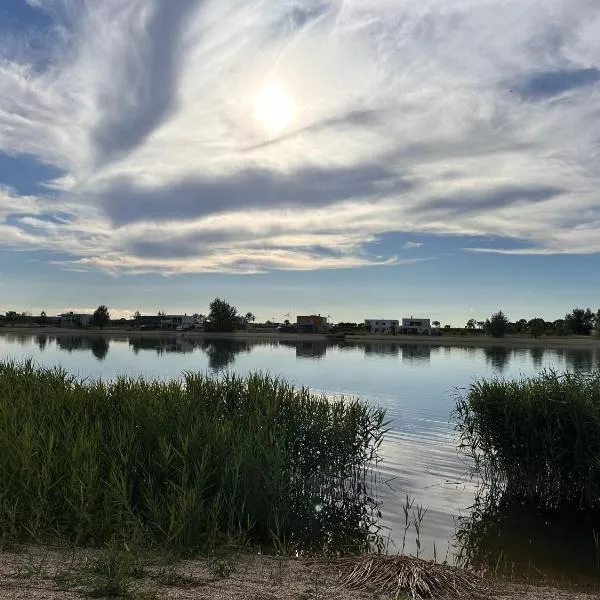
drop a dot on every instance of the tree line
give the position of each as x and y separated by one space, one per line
580 321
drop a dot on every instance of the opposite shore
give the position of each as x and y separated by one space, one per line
591 342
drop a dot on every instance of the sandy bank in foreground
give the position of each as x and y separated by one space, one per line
590 342
50 574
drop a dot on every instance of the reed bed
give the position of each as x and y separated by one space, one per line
536 440
190 463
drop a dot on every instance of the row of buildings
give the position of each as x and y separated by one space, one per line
304 323
409 326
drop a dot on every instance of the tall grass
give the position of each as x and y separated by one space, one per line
536 439
188 463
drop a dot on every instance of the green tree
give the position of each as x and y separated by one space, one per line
43 319
536 327
101 316
436 323
521 325
580 321
222 316
471 323
447 327
497 325
559 327
250 318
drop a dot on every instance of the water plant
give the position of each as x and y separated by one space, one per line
191 463
536 439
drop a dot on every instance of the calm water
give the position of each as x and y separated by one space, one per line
415 383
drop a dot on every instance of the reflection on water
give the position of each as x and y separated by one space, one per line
222 352
514 539
415 382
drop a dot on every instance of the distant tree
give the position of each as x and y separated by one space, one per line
222 316
580 321
598 323
520 326
249 317
436 323
43 318
137 316
101 316
536 327
481 324
559 327
447 327
161 313
497 325
471 324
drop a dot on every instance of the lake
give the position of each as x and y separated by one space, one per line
415 383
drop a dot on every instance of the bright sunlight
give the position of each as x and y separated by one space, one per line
274 108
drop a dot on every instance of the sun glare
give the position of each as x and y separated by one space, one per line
274 108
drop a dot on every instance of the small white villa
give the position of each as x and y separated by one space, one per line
389 326
418 327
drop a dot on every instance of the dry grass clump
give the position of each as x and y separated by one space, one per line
419 578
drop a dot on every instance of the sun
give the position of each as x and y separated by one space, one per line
274 108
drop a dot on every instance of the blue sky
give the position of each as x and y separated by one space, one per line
354 158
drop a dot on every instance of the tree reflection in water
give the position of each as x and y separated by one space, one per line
99 347
513 539
221 353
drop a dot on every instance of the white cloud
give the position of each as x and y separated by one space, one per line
438 117
411 245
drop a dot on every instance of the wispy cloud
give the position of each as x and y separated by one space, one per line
411 245
438 117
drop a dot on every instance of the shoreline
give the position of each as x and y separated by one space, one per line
59 573
591 342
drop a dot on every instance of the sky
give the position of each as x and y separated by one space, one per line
351 158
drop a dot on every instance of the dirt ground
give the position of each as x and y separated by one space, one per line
54 574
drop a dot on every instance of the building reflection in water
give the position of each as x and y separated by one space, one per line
315 350
381 349
417 352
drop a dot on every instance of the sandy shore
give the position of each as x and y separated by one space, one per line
591 342
52 574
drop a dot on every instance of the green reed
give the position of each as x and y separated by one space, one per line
536 440
190 463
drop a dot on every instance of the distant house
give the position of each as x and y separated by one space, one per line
311 324
174 322
75 320
382 325
418 327
177 322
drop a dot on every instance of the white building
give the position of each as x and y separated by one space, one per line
418 327
382 325
177 322
75 320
